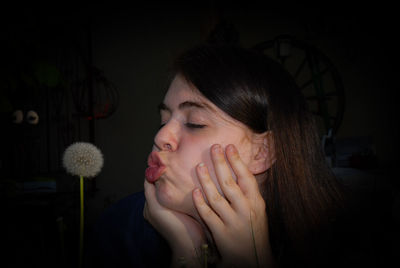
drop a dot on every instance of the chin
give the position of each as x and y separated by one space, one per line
174 199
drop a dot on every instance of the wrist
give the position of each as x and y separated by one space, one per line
266 258
191 256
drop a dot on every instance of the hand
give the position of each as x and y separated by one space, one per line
238 222
183 234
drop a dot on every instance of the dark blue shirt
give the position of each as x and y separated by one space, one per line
123 238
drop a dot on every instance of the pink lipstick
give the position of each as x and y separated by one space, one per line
155 167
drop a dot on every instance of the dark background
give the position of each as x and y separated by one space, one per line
46 55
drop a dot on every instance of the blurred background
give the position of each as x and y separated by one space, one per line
96 73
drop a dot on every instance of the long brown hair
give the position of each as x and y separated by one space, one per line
300 191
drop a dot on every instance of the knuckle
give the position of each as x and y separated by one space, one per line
219 159
209 212
229 183
216 198
206 211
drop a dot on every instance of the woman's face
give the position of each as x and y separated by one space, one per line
190 125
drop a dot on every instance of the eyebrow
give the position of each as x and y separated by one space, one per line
186 105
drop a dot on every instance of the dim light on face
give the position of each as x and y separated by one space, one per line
190 125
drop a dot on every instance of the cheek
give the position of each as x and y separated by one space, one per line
190 155
193 152
201 153
197 150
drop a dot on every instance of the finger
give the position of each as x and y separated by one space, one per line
224 175
150 194
217 202
208 215
246 180
146 211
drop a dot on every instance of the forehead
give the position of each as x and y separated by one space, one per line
180 91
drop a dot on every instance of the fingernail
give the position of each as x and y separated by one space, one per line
202 167
217 148
231 148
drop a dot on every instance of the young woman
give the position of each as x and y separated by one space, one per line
236 165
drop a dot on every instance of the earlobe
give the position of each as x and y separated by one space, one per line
264 153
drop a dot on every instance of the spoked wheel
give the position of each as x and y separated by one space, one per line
315 75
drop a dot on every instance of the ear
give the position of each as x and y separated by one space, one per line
263 153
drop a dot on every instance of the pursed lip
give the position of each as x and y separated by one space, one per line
155 168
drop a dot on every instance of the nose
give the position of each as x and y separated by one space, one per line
166 138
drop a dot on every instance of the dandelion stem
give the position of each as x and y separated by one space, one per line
205 253
81 223
254 240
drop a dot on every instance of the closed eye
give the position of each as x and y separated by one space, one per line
194 126
188 125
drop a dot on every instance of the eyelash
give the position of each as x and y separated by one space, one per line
188 125
194 126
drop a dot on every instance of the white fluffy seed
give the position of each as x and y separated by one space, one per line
83 159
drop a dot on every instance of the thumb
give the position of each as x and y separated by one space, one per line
150 193
151 201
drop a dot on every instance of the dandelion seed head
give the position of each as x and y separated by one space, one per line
83 159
